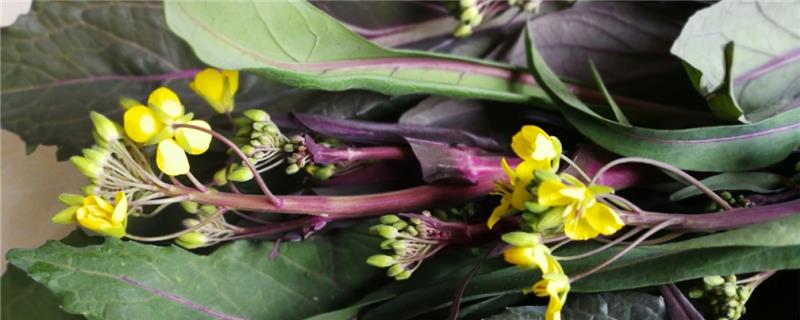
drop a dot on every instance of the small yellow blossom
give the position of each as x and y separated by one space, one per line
532 257
171 159
217 88
536 147
585 218
154 125
96 214
141 124
556 286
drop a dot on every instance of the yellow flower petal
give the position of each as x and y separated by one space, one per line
578 228
507 169
501 211
93 200
210 84
165 104
603 219
141 124
171 159
120 209
520 256
191 140
545 151
520 195
233 80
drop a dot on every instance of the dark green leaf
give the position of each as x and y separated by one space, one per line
722 148
602 306
66 58
767 61
610 100
760 182
127 280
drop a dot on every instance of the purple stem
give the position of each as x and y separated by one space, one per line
180 74
679 307
765 199
731 219
260 181
324 155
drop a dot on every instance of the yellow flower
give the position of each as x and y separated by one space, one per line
141 124
536 147
532 257
585 218
556 286
154 125
96 214
515 193
217 88
171 159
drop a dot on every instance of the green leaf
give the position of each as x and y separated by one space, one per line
610 100
721 148
298 44
767 62
65 58
128 280
760 182
602 306
769 246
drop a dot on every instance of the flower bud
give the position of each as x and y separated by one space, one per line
188 223
521 239
413 230
403 275
399 246
71 199
292 169
467 3
98 155
220 177
191 240
256 115
463 31
325 172
240 174
400 225
208 209
66 216
469 14
89 189
380 261
535 207
394 270
87 167
389 219
104 127
387 244
387 231
551 219
190 206
543 175
713 281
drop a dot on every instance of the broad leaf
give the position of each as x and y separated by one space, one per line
722 148
760 182
766 62
64 59
766 246
601 306
135 281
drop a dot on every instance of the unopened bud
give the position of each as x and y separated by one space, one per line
553 218
535 207
190 206
387 244
87 167
292 169
240 174
192 240
713 281
380 261
521 239
97 154
71 199
104 127
389 219
463 31
256 115
400 225
696 294
403 275
325 172
188 223
394 270
221 177
543 175
399 246
90 189
208 208
387 232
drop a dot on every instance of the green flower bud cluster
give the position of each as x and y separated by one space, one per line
726 298
261 141
736 201
205 236
406 241
469 16
323 172
456 214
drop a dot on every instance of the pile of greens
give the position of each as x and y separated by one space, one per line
409 159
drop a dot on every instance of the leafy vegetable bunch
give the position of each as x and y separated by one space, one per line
425 139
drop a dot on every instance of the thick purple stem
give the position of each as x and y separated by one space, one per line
324 155
731 219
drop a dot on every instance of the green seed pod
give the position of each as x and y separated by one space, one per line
389 219
380 261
